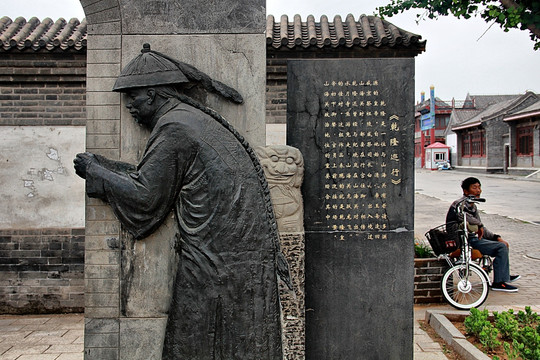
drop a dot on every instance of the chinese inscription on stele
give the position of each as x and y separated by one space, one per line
359 133
362 158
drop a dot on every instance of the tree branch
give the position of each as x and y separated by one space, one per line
511 4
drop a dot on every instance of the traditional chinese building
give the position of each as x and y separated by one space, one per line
498 134
434 131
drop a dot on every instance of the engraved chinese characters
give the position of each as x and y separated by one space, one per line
361 142
353 121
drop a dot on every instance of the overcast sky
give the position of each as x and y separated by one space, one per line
458 59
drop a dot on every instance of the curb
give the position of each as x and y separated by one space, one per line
438 320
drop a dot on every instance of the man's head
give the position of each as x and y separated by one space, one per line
471 186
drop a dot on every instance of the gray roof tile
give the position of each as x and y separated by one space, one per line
364 32
47 34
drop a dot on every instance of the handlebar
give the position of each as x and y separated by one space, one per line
471 199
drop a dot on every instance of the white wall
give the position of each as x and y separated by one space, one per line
39 187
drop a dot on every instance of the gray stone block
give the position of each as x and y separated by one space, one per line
101 326
96 111
103 42
108 340
103 56
102 257
103 70
468 351
102 285
102 312
103 141
106 126
107 28
142 338
101 353
192 16
102 227
445 329
101 271
103 98
104 16
102 299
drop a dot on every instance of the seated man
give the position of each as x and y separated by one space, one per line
484 240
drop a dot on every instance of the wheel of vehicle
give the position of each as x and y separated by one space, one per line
465 293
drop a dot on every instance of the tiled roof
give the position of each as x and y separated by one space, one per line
488 113
47 34
364 32
483 101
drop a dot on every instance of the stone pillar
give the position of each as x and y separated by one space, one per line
353 121
225 40
284 169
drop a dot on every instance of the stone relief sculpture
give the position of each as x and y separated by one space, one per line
225 301
284 169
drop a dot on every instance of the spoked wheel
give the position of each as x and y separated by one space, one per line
463 293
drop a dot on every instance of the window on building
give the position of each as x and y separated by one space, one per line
466 145
441 122
477 144
525 140
440 156
473 143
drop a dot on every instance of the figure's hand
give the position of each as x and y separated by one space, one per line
480 232
500 239
81 163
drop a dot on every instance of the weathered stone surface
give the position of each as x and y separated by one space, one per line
39 189
148 272
293 302
142 338
353 122
235 59
192 16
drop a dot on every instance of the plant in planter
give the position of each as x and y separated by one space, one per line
422 250
519 333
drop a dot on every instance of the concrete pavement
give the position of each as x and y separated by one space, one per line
60 337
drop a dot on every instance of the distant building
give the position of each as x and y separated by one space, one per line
424 138
498 134
487 133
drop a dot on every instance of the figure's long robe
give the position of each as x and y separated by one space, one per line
225 303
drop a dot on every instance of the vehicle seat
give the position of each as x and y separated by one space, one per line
476 254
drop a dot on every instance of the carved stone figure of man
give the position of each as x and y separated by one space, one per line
225 301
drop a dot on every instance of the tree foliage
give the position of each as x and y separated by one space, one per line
509 14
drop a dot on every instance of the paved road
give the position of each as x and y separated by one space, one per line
513 197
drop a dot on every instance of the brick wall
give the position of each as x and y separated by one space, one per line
427 280
42 89
276 91
41 271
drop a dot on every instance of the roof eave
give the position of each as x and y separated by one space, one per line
522 116
466 126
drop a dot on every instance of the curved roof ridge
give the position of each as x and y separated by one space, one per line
367 30
282 32
46 34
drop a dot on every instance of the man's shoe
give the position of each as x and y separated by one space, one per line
502 286
514 278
